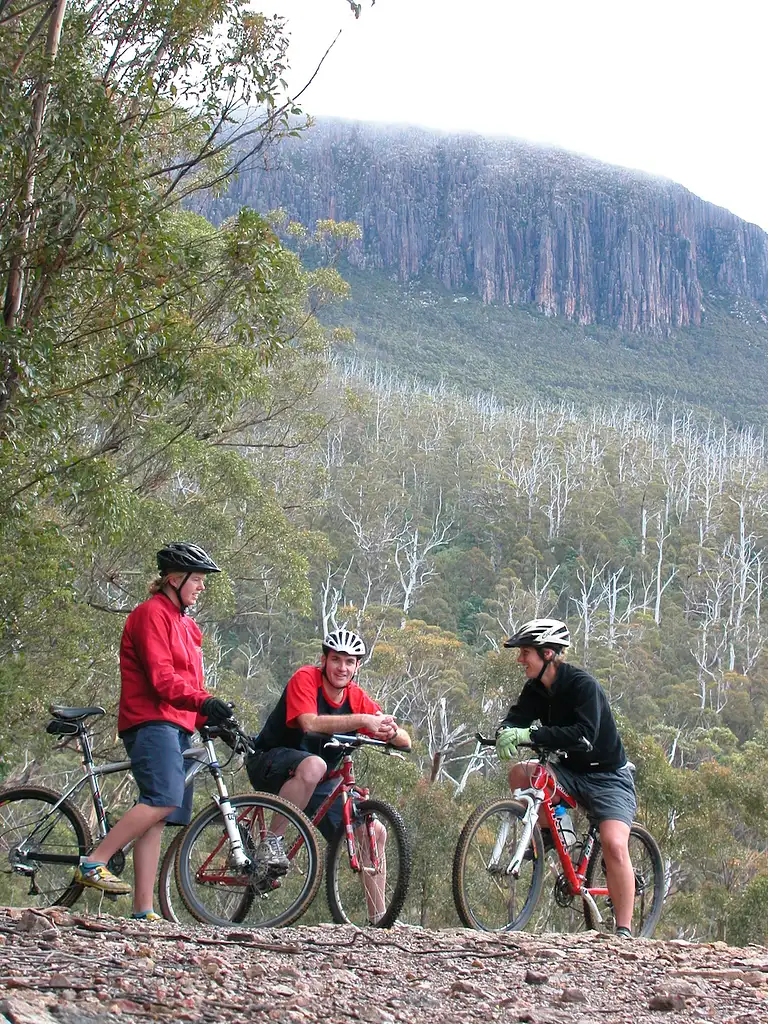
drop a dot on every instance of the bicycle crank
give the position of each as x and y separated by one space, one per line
563 895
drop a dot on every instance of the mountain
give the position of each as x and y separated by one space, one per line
519 225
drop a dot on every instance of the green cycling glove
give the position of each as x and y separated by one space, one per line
508 739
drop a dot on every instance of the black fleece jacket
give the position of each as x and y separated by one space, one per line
573 710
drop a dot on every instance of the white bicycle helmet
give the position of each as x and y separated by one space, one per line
344 641
541 633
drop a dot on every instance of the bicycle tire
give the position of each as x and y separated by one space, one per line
487 898
215 892
166 881
648 866
25 816
348 899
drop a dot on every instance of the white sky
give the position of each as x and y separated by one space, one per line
673 87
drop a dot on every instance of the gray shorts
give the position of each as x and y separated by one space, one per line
606 796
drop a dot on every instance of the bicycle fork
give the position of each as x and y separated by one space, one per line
533 800
238 857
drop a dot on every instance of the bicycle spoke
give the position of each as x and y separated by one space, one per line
373 891
487 895
217 891
647 865
39 848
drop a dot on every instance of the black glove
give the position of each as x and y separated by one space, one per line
216 711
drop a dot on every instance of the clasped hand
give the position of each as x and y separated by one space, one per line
508 739
383 727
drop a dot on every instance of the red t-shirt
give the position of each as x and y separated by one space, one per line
161 667
304 695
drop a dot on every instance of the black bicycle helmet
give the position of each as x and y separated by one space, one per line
184 558
344 641
541 633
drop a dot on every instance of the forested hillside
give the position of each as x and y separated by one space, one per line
162 378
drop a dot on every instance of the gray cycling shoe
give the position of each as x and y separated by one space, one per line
270 855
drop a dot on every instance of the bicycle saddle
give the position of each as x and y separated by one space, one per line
74 714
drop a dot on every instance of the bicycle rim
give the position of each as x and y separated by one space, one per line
487 897
167 893
373 896
30 832
645 855
216 892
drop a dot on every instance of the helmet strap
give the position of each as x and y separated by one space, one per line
546 662
177 591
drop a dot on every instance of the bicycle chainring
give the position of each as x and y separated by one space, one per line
563 895
117 863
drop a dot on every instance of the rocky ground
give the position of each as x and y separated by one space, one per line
64 968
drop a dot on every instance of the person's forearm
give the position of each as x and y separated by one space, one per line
330 724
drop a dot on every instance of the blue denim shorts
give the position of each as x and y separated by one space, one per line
156 752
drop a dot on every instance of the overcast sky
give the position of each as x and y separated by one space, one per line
673 87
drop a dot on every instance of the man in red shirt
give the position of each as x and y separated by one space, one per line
290 760
162 702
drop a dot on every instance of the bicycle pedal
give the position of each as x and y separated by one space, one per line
112 896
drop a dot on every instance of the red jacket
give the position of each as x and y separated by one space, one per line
161 667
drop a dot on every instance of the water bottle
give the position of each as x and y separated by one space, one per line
564 824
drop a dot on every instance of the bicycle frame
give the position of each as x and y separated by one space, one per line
348 788
93 772
346 785
539 797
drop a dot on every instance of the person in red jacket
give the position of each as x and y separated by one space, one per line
162 702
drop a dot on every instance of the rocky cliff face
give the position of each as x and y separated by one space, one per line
518 224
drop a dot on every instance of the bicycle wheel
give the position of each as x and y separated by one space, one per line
167 894
487 897
646 860
216 892
39 848
375 895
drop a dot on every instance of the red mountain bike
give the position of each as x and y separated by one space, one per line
368 862
501 866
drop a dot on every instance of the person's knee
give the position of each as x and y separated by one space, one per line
615 846
518 776
311 770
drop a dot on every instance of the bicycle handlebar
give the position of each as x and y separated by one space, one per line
341 739
228 730
539 748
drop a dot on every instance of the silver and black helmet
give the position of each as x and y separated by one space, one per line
344 641
184 557
541 633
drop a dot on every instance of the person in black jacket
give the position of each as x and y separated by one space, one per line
565 708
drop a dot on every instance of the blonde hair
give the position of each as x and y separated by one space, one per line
157 584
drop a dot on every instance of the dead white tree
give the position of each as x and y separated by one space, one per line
412 555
